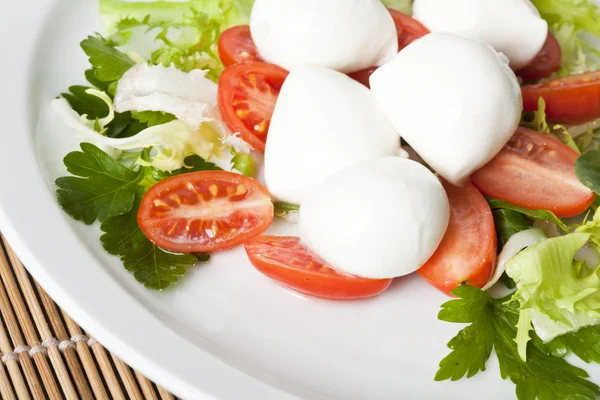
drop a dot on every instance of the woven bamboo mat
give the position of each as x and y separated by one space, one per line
46 355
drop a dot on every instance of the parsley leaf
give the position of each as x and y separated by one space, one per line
584 343
105 190
84 103
473 345
123 125
153 118
492 326
150 265
194 163
101 188
496 204
109 64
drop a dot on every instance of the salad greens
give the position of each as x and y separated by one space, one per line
131 151
537 121
545 375
574 23
534 214
587 169
105 190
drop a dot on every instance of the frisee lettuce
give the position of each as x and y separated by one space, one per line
575 23
557 294
537 121
186 33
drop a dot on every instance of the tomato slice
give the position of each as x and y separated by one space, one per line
467 253
571 100
545 63
286 260
535 171
247 95
409 30
236 46
363 76
205 211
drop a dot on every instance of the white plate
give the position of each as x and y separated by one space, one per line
226 332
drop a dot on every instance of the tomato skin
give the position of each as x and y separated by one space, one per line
236 46
545 63
571 100
409 30
205 211
468 251
363 76
535 171
247 95
286 260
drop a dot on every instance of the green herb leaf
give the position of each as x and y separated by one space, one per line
84 103
492 326
152 118
194 164
282 209
473 345
151 266
585 344
509 222
109 63
101 188
544 215
587 169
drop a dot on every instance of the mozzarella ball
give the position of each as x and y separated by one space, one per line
381 218
512 27
323 121
345 35
454 99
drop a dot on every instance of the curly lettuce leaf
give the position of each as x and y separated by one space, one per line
557 294
576 25
185 33
537 122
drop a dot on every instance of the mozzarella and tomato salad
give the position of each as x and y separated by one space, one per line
397 143
369 121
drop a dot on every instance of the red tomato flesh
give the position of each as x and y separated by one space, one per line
409 30
545 63
205 211
236 46
286 260
571 100
467 253
247 96
535 171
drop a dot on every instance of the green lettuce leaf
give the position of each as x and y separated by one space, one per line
401 5
572 22
557 294
537 122
186 32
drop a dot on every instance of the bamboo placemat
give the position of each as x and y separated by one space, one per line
46 355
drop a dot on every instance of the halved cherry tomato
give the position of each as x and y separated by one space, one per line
363 76
205 211
467 253
545 63
286 260
236 46
571 100
247 95
409 30
535 171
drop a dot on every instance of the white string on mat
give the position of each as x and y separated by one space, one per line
45 345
